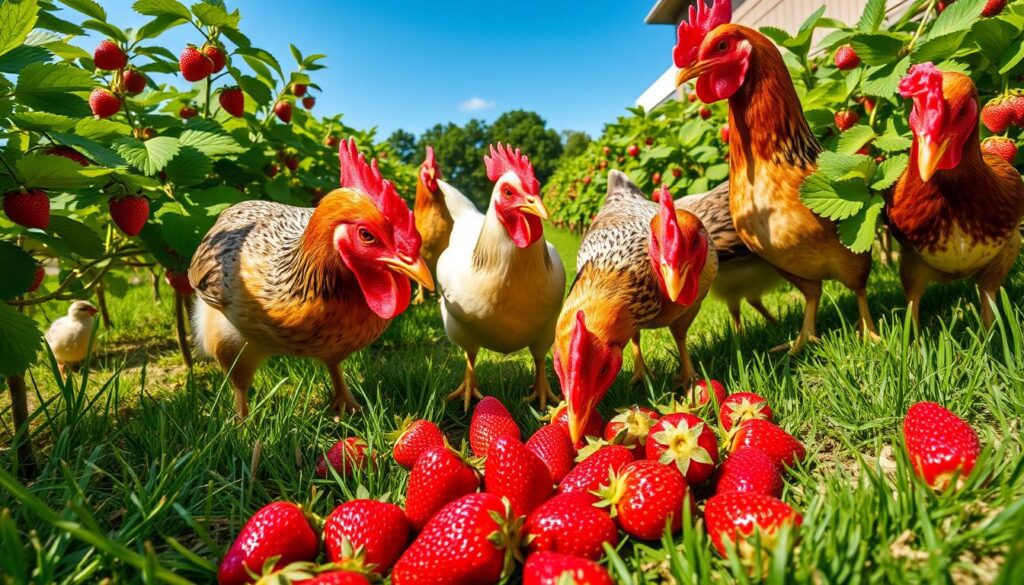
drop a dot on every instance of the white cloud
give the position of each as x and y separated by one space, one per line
475 104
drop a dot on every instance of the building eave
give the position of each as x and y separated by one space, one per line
665 11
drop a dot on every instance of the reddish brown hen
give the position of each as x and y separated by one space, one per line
433 221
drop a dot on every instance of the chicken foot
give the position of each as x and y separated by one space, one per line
342 401
867 324
811 290
421 295
542 391
640 370
469 387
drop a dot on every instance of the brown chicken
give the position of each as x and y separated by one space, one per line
641 265
433 221
771 151
955 210
321 283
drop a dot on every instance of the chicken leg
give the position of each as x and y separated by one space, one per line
469 386
679 330
342 400
421 296
542 391
811 290
640 370
758 305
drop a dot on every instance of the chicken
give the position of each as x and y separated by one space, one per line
955 210
641 265
68 336
501 283
771 151
322 283
433 221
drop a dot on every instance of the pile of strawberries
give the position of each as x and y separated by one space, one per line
998 115
556 507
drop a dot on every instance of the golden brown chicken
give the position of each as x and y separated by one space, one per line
433 221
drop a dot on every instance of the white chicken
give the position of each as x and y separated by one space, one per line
69 335
501 283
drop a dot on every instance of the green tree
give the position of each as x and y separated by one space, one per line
575 143
529 132
404 145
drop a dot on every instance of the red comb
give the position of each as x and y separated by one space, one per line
579 334
703 19
671 234
923 84
429 161
503 160
356 174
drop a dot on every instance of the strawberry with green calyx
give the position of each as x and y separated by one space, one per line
780 446
280 530
644 497
846 58
344 457
702 390
685 442
216 56
551 443
129 213
998 114
570 524
941 445
593 470
194 65
551 568
473 540
749 470
490 420
732 519
28 208
307 573
631 427
742 406
439 477
514 472
366 533
412 438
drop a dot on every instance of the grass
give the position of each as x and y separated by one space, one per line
145 477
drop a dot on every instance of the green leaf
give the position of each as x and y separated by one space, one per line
213 15
833 200
718 172
171 8
106 28
48 21
837 166
19 270
872 17
80 238
42 121
189 167
255 89
657 153
87 7
958 16
877 48
210 143
858 231
157 26
889 172
149 156
296 54
19 343
21 57
184 233
43 79
892 143
1011 60
92 149
261 55
854 139
883 81
938 47
101 130
213 201
56 172
16 21
278 189
995 36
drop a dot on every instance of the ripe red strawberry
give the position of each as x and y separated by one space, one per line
272 170
743 406
469 541
776 443
551 568
559 414
439 476
631 427
412 438
283 111
279 529
299 89
292 163
514 472
845 119
733 515
37 279
686 442
194 65
104 103
678 172
216 56
30 208
108 56
308 102
940 444
656 178
336 578
233 101
1004 148
705 112
699 394
490 420
187 112
1015 102
134 81
846 58
749 470
179 282
588 179
644 497
997 115
725 133
344 456
993 7
570 524
331 141
552 445
692 97
68 152
593 471
633 150
129 213
372 533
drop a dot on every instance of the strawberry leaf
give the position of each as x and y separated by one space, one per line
171 8
833 200
57 172
16 20
19 343
889 172
19 269
854 139
149 156
858 231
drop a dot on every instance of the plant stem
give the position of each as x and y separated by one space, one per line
920 27
179 329
22 437
10 171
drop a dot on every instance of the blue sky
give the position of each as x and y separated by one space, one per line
411 64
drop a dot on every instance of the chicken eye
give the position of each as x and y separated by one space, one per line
603 372
723 45
366 237
507 193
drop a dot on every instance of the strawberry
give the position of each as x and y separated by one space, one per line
743 406
272 170
692 97
179 282
372 533
412 438
552 445
68 152
570 524
299 89
846 58
129 213
1015 102
678 172
292 163
331 141
283 111
216 56
749 470
134 81
633 150
336 578
644 497
439 476
593 471
194 65
279 529
732 516
29 208
779 445
1004 148
187 112
551 568
997 115
344 456
515 472
705 112
233 101
940 444
656 179
470 541
490 420
37 279
686 442
631 427
993 7
725 133
308 102
699 394
108 56
559 415
104 103
845 119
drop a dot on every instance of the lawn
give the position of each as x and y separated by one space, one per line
146 477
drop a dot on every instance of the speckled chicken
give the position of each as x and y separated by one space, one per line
433 221
641 265
68 336
321 283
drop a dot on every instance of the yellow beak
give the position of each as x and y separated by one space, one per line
687 73
929 153
414 269
534 206
673 280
